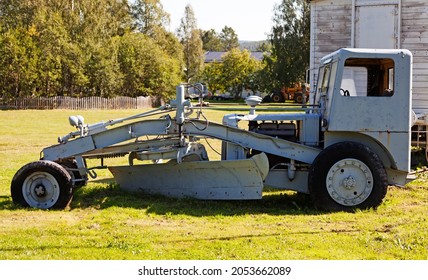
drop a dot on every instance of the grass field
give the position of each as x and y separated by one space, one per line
104 222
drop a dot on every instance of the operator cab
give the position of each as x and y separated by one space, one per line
365 90
365 95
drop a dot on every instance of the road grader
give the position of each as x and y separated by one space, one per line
298 93
343 148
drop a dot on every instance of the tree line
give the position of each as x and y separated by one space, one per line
286 56
115 47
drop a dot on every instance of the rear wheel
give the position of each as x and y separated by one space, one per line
298 98
347 176
277 98
42 184
267 99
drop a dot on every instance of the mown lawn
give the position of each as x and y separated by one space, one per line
104 222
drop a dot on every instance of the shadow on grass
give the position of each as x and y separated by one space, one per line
106 194
273 203
6 203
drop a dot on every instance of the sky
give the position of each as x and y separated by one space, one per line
251 19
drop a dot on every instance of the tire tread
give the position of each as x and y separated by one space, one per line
334 153
56 170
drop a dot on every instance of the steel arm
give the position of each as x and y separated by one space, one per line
246 139
113 136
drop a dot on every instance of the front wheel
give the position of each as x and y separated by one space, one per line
42 184
347 176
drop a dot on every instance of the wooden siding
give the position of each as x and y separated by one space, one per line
331 29
414 36
331 24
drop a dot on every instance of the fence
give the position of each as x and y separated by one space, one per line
71 103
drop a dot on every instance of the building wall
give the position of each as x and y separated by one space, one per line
414 36
333 27
331 23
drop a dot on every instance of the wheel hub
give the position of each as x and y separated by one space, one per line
349 182
40 191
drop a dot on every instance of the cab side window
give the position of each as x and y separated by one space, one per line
368 77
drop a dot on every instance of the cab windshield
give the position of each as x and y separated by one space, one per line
323 84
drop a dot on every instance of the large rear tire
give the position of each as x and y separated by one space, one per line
42 184
347 176
277 97
298 98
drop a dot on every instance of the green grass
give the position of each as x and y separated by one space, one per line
104 222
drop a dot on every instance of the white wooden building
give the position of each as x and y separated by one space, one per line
373 24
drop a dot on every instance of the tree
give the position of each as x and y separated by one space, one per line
19 57
229 38
86 48
237 71
19 54
265 46
17 13
149 16
74 39
151 20
103 69
170 44
212 75
290 40
190 38
211 41
62 62
147 69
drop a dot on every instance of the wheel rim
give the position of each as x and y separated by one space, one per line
349 182
41 190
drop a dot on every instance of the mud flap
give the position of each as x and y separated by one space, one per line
210 180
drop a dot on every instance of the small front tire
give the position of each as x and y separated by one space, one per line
42 184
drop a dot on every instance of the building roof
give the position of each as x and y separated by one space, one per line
218 56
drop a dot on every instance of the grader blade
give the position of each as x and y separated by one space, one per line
210 180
